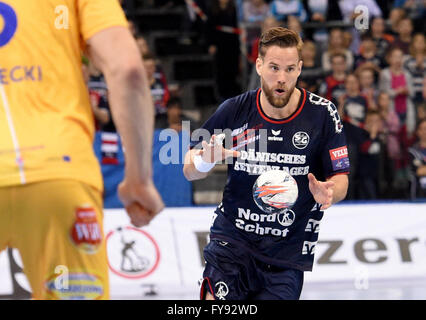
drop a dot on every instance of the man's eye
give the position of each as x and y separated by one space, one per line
290 69
275 68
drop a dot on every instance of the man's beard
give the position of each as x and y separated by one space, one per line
277 102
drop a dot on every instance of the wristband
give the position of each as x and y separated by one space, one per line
201 165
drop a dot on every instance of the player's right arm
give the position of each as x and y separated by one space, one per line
115 53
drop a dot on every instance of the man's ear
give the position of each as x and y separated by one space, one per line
300 65
259 64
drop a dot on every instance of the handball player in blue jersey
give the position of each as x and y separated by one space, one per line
253 254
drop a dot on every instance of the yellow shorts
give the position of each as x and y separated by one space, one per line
57 228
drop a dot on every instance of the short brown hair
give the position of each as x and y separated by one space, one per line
281 37
338 54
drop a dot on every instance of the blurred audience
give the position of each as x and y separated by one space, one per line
255 11
353 106
159 88
336 45
281 9
367 85
395 16
403 40
381 39
312 72
224 46
415 64
372 145
368 56
418 162
334 85
397 82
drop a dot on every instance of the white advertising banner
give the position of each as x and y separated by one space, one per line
374 241
365 241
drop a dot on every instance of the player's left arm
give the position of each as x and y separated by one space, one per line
328 192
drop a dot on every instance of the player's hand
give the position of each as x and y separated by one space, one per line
141 200
214 150
322 191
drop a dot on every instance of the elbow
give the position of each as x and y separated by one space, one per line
134 75
131 73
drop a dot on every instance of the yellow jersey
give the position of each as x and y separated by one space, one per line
46 122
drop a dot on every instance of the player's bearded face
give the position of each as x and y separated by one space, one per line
278 71
278 95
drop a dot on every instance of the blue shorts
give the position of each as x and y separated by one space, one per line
232 273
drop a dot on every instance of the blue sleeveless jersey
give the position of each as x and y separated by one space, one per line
310 140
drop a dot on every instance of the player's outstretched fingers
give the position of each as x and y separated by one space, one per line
312 179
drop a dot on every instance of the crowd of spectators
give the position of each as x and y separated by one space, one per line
375 75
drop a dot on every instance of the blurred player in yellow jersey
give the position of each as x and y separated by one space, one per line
50 181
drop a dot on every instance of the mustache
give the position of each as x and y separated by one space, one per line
279 87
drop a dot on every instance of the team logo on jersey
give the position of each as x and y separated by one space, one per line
300 140
222 290
275 136
86 232
286 218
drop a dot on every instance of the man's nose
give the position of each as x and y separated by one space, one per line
282 77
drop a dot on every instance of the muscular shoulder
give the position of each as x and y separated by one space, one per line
238 104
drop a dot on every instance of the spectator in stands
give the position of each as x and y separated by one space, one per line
391 126
334 85
395 16
353 106
415 64
175 115
281 9
350 14
293 23
421 111
101 115
368 87
397 82
312 73
368 55
403 40
255 11
224 45
269 22
254 81
382 40
159 88
347 39
336 45
317 12
347 8
369 156
145 50
415 11
418 162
